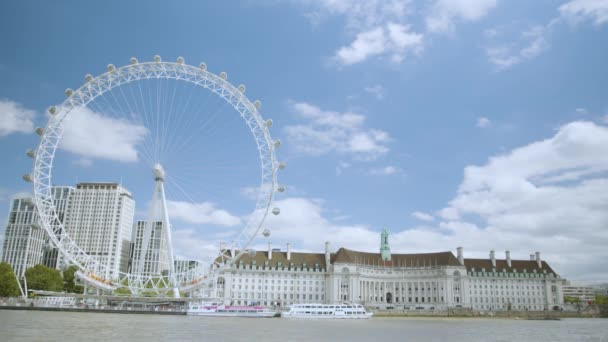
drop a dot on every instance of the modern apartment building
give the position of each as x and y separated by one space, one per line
99 218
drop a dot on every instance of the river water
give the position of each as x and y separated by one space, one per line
89 327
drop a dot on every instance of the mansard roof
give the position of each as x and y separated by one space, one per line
347 256
477 265
297 258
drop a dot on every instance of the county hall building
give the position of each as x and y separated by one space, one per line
383 280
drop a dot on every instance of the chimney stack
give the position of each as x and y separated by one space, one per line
269 250
538 261
493 258
460 255
327 255
508 257
288 251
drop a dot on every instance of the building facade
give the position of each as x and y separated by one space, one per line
384 280
23 238
99 218
585 294
61 197
157 254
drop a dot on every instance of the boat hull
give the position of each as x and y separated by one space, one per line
232 314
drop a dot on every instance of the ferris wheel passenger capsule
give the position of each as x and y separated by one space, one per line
257 104
266 232
69 92
111 67
157 58
203 66
268 123
251 252
30 153
88 77
223 75
281 165
281 188
242 88
27 177
276 211
39 131
52 110
35 225
180 60
133 60
277 143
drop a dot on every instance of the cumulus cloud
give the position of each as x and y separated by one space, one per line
189 244
423 216
94 135
580 10
483 122
534 41
14 118
201 213
445 12
394 40
531 44
547 196
330 131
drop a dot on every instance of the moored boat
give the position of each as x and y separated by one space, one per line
220 310
327 311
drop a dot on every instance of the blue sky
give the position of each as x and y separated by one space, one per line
474 123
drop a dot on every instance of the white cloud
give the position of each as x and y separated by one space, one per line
83 162
329 131
14 118
376 90
385 171
531 44
580 10
548 196
551 193
365 45
395 40
189 245
535 41
483 122
445 12
201 213
359 14
423 216
93 135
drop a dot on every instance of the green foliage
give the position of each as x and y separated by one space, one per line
69 284
571 300
43 278
8 283
122 291
601 300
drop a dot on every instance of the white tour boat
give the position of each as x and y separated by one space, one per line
220 310
329 311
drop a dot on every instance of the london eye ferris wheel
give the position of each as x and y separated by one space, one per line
181 132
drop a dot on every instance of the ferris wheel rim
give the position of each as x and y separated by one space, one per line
135 72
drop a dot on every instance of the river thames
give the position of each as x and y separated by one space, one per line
68 326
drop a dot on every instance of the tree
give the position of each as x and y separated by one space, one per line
571 300
8 282
43 278
69 284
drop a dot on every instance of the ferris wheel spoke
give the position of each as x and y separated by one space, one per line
181 127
